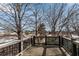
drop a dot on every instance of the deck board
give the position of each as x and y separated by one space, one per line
43 51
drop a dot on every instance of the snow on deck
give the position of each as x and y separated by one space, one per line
75 37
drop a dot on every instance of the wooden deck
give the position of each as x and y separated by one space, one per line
43 51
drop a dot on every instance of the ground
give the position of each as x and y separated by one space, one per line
43 51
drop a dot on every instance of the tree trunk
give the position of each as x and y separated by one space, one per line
19 38
21 43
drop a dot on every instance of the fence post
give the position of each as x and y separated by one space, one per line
74 50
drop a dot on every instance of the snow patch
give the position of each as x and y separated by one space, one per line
75 36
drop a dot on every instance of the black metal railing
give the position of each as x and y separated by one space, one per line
67 45
45 40
52 40
10 50
70 45
26 43
76 48
14 49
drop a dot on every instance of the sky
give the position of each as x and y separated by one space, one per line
45 6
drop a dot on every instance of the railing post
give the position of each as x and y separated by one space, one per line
62 42
74 50
33 41
59 42
77 50
20 47
45 40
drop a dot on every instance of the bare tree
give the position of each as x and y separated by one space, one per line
74 23
54 15
14 15
36 15
59 15
71 20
